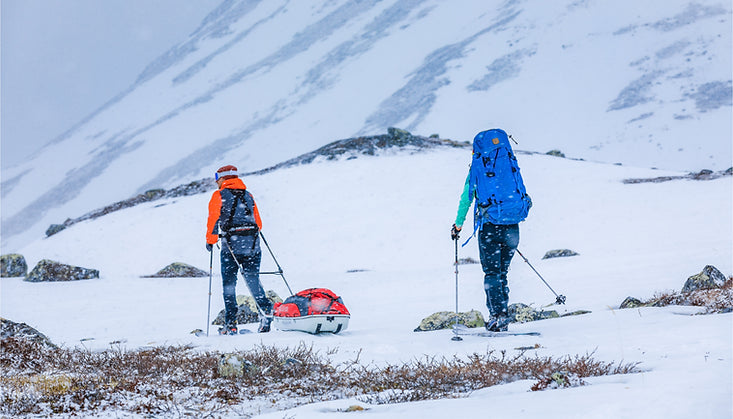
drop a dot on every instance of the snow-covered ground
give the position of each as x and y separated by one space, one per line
646 84
389 218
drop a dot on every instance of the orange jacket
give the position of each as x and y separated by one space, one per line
215 208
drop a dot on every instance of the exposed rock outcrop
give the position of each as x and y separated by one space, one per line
709 278
51 271
522 313
11 329
178 270
631 302
234 365
247 309
559 253
446 320
348 148
704 174
556 153
13 265
709 289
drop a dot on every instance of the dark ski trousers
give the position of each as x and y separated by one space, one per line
497 244
250 265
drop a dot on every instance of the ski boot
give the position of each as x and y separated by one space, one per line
228 330
498 324
265 321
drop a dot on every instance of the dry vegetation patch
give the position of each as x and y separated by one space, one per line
179 380
715 300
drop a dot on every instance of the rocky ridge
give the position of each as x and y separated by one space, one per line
395 140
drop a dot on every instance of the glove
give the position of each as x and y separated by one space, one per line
454 232
209 247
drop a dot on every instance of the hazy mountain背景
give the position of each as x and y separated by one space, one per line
261 82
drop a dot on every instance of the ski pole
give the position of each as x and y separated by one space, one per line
279 269
456 276
456 338
211 269
559 299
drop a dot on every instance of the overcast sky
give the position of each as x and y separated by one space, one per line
62 59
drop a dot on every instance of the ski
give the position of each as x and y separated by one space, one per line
462 330
200 333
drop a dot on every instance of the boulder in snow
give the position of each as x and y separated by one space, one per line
249 301
247 309
11 329
51 271
631 302
244 315
559 253
12 265
709 278
234 365
54 228
522 313
556 153
178 270
446 320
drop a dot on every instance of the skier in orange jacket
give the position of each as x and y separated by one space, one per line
234 217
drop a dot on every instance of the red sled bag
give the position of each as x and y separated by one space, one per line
314 310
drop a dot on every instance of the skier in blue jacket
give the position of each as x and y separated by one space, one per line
494 174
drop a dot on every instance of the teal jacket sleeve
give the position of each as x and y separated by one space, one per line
465 204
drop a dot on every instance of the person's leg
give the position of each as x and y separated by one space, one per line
251 270
508 242
229 284
490 253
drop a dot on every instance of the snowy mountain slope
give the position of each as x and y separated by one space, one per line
260 82
388 217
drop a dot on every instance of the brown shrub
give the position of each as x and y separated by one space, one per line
170 380
715 300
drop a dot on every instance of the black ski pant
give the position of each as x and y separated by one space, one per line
250 265
497 244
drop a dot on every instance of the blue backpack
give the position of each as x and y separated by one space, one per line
495 181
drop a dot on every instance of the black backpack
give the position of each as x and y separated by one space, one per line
238 217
